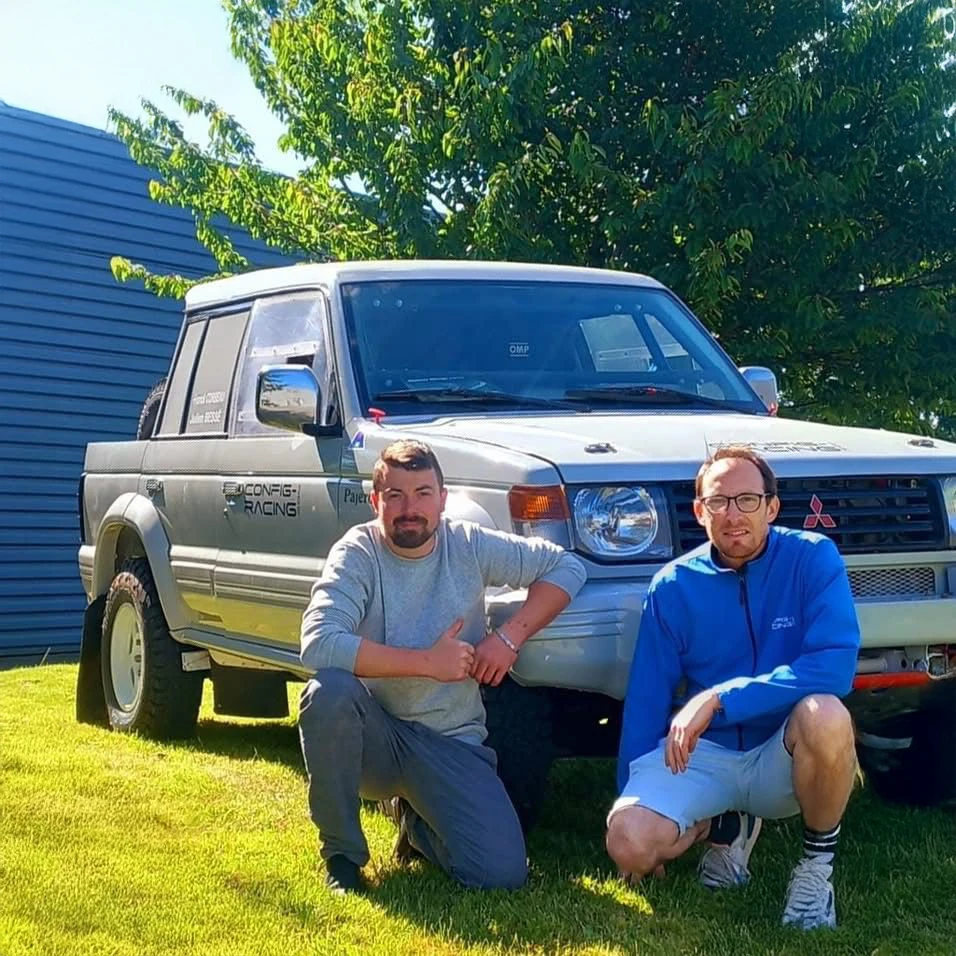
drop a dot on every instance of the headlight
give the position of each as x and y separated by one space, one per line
949 499
622 522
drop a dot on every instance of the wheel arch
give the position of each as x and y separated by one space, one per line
132 527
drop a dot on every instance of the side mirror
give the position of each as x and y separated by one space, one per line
288 396
764 383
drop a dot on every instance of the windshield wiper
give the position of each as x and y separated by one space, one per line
460 393
652 393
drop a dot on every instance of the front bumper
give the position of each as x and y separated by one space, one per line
589 646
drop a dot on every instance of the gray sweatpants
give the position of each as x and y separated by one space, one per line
461 817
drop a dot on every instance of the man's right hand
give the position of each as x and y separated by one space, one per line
449 659
687 726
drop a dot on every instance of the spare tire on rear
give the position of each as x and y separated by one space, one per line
147 417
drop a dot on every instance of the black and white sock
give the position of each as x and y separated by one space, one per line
820 844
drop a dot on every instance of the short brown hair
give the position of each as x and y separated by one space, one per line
409 455
747 454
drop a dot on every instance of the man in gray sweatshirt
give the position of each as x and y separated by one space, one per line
397 637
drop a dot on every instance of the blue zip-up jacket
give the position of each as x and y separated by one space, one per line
764 637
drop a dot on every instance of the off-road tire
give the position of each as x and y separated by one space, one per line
520 732
147 417
167 705
923 774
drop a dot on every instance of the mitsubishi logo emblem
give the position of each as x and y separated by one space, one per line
817 516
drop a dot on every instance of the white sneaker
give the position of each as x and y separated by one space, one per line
722 867
811 902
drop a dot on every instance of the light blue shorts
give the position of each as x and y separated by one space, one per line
717 779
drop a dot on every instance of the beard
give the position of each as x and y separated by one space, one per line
412 534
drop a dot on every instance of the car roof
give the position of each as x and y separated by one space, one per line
250 285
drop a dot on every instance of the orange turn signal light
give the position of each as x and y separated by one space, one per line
538 503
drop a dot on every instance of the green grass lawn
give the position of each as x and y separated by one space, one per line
111 845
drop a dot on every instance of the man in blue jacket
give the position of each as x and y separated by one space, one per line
759 630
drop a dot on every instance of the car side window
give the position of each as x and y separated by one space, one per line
284 330
212 383
178 386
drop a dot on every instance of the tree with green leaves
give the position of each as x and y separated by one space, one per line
788 168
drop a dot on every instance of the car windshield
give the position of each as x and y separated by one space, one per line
424 345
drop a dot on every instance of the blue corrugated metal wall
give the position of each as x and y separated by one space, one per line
78 351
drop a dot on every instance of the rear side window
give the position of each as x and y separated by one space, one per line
212 384
178 386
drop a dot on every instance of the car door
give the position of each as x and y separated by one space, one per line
280 489
181 471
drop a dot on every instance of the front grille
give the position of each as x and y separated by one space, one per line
868 515
900 584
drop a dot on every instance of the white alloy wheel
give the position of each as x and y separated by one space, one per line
126 658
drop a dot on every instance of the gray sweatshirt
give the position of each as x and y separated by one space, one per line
367 591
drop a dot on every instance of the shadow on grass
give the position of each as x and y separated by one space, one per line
895 879
259 740
573 898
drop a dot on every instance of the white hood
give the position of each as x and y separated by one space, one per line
670 445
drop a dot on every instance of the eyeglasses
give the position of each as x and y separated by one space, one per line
747 503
